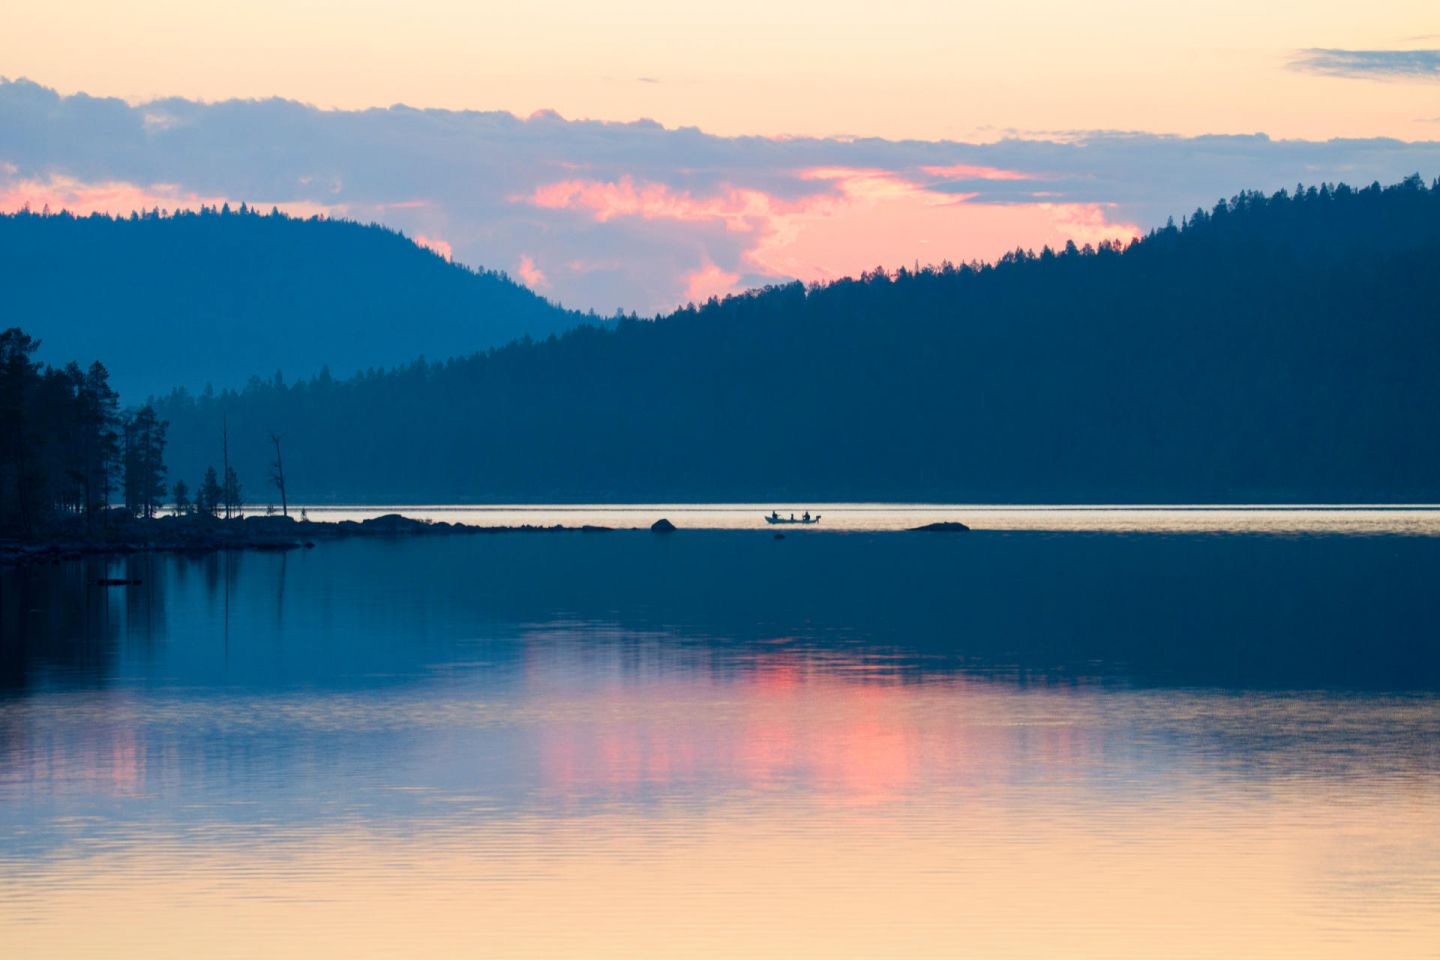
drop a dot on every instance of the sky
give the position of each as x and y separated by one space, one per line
639 154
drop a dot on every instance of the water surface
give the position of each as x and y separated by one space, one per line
719 744
1410 519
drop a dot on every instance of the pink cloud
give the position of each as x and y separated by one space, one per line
965 171
882 218
533 276
441 247
1085 223
900 226
111 196
709 281
864 184
860 218
737 208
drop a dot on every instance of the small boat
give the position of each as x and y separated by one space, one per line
774 517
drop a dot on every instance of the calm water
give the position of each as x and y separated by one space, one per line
720 744
1410 519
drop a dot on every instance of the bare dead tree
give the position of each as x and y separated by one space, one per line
277 475
225 455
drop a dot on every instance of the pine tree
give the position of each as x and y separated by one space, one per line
207 498
143 461
100 443
151 436
18 374
233 503
130 465
181 494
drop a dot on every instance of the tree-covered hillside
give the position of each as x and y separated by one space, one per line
1281 348
217 297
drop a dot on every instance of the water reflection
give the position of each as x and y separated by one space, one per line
1233 611
719 745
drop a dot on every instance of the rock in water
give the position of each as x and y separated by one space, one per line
946 526
391 523
663 526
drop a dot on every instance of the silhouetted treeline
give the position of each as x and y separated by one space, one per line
218 296
65 445
1280 348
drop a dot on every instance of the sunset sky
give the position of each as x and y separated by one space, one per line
639 154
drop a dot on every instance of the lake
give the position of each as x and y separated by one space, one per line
1036 742
1421 519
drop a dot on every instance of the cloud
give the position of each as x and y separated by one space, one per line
709 281
58 192
886 220
635 215
439 246
969 171
737 208
1370 64
533 276
854 219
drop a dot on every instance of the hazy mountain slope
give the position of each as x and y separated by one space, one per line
1275 349
220 297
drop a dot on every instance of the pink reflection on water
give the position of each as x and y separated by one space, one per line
94 754
853 730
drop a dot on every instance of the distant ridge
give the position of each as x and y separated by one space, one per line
218 296
1273 349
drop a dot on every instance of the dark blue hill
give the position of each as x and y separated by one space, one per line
1282 348
217 297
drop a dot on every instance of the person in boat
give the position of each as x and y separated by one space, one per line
792 518
774 515
806 518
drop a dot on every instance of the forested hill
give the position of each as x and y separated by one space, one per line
220 296
1281 348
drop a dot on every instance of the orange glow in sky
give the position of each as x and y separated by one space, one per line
928 69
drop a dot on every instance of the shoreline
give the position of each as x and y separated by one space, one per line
266 533
120 534
197 535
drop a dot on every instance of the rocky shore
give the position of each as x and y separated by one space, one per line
120 533
125 535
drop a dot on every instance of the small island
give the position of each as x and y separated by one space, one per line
943 526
